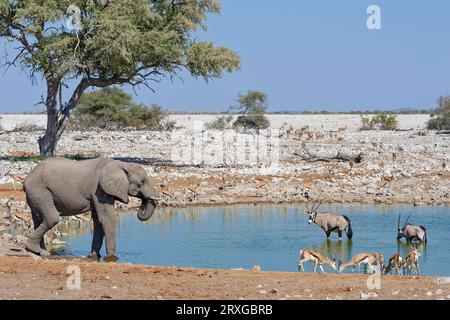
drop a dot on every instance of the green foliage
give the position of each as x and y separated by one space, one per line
366 123
220 123
93 43
114 108
382 121
253 121
252 102
441 118
253 105
119 40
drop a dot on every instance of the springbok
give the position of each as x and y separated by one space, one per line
412 261
395 263
330 222
368 259
411 232
308 255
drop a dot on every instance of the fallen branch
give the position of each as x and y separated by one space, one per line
310 157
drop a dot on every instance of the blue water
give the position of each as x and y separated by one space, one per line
270 236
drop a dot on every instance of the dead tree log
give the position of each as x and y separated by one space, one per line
310 157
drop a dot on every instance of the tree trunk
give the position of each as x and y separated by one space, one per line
57 120
47 143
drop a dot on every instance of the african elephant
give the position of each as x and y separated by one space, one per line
61 187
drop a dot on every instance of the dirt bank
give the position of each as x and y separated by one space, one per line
26 278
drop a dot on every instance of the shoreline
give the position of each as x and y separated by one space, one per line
47 279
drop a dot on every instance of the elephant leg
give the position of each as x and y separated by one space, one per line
109 227
97 240
109 221
37 221
104 207
46 211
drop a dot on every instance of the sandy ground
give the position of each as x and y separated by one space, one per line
26 278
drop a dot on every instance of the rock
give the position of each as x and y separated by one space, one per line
256 268
274 291
19 239
368 296
429 294
439 292
262 292
442 280
57 242
396 292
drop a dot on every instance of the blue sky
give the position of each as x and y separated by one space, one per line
307 55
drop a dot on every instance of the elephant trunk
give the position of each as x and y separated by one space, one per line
146 209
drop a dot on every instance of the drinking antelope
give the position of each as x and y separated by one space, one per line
308 255
368 259
412 261
395 263
330 222
411 232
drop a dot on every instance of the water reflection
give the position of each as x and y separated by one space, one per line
270 236
340 249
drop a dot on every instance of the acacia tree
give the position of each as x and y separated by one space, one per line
252 105
76 44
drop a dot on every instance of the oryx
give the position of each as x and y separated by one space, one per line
330 222
411 232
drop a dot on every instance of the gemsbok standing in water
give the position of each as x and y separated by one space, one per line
330 222
308 255
411 232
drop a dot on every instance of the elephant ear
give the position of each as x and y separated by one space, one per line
114 182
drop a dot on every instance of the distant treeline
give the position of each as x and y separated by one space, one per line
305 112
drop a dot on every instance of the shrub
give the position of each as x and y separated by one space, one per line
366 123
114 108
385 121
253 121
220 123
441 119
382 121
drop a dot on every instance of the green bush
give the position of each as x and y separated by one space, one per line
220 123
366 123
385 121
440 120
382 121
114 109
252 121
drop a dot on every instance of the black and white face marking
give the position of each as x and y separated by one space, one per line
311 217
